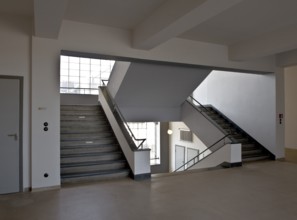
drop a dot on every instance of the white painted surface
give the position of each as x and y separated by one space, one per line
290 114
45 95
174 140
207 132
15 61
230 153
248 100
117 76
139 161
10 141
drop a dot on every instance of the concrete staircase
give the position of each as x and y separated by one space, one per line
89 149
251 149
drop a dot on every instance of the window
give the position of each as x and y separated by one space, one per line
151 132
81 75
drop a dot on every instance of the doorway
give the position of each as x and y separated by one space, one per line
11 134
179 157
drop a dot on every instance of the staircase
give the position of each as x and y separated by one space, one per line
89 149
251 149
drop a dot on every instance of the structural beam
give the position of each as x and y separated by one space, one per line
175 17
272 43
48 17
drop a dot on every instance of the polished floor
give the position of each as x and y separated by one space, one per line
266 190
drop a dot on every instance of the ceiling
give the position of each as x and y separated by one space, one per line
238 24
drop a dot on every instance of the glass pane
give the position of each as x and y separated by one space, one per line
85 61
95 61
85 74
85 67
64 72
64 59
74 73
64 65
63 81
95 68
74 66
85 80
74 60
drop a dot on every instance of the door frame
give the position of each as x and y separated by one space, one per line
175 154
21 86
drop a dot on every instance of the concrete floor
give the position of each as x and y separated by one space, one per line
266 190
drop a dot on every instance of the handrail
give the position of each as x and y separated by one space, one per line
116 108
103 82
205 116
122 118
199 103
197 157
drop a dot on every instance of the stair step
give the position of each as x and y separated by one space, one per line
94 176
255 158
80 107
90 157
88 142
252 152
83 118
83 123
81 113
88 136
85 130
89 149
93 167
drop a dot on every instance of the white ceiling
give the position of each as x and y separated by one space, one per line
267 27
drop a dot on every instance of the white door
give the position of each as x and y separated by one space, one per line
191 153
179 157
9 135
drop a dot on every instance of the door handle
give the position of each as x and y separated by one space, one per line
13 135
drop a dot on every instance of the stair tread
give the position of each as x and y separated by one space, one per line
92 163
92 154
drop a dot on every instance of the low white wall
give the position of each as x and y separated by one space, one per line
230 153
139 160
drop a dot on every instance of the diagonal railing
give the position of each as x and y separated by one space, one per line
208 151
116 109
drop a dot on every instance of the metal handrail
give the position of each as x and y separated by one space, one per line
197 157
205 116
116 108
103 82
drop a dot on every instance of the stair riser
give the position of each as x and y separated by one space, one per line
94 178
82 150
94 168
80 108
83 118
88 142
86 137
81 113
90 158
84 130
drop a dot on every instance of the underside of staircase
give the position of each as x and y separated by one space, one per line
251 149
89 148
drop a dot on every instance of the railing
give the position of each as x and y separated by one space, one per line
213 148
116 109
191 100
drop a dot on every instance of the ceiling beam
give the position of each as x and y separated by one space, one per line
272 43
175 17
48 17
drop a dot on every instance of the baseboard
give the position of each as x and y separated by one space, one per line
143 176
45 188
291 155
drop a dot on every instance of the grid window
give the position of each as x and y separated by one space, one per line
83 75
151 132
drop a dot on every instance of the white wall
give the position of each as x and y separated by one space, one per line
15 61
290 116
16 53
174 140
45 108
249 100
